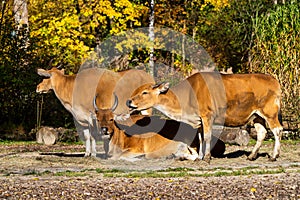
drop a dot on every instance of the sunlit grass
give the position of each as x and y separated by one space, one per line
187 172
167 173
12 142
69 173
271 141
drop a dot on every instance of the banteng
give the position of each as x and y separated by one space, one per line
208 98
76 93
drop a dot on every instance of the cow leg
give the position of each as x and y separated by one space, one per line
94 151
200 136
94 133
277 135
276 129
106 147
207 140
261 134
207 124
87 137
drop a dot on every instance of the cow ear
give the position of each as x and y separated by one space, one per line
43 72
164 87
121 117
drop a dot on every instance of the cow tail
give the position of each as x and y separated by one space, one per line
280 117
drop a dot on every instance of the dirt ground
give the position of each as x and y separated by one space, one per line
31 171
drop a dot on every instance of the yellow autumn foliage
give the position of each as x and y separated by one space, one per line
68 31
218 4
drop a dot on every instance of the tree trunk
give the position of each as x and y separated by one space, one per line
151 37
21 17
21 12
183 49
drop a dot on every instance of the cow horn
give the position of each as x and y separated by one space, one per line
50 63
59 66
156 85
95 105
113 108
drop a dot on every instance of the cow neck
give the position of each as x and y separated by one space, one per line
119 138
63 88
169 105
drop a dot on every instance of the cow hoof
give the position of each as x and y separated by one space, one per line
250 158
272 159
198 159
207 159
86 155
182 158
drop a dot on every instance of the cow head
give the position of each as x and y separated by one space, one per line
46 85
146 96
105 117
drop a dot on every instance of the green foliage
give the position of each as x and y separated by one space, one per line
250 36
17 74
61 32
18 99
227 33
276 51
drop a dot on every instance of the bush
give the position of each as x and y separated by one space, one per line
276 51
18 99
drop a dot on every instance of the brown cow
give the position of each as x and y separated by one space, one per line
227 99
139 143
76 93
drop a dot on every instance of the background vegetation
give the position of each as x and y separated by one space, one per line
249 36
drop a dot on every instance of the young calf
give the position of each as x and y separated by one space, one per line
142 143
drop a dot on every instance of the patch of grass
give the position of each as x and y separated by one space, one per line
221 168
291 142
66 143
170 172
177 169
167 173
31 172
250 167
149 174
252 141
187 172
99 170
295 165
12 142
71 173
241 173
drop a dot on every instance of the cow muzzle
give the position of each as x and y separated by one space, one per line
105 133
104 130
39 91
130 105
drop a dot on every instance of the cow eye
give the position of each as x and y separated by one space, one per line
145 92
111 120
